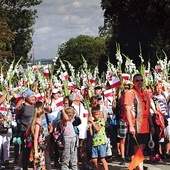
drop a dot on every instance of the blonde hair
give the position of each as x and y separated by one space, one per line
38 111
70 111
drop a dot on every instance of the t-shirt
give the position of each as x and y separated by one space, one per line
99 138
68 129
140 109
83 114
162 104
54 113
26 116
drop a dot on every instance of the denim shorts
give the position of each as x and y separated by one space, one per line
99 151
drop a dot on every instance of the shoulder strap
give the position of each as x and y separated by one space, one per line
37 124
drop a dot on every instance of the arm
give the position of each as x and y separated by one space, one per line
96 127
152 130
36 134
65 116
18 106
90 129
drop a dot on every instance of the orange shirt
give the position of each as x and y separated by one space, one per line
140 109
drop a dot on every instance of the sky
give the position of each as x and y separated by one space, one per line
60 20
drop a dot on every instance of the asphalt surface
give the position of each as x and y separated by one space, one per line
113 163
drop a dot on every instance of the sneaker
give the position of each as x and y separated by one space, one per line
122 162
158 158
162 156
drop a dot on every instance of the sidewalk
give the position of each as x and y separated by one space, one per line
113 164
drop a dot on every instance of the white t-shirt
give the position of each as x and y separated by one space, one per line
83 114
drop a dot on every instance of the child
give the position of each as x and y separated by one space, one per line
97 130
39 143
69 155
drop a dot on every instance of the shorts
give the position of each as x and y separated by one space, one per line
141 139
122 129
99 151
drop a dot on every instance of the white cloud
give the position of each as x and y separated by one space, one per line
60 20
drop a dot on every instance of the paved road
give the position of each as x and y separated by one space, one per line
113 164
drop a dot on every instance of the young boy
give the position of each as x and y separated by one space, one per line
97 130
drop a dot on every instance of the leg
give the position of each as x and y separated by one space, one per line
25 153
66 156
96 164
104 163
73 154
122 149
47 160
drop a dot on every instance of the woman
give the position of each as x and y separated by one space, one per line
25 108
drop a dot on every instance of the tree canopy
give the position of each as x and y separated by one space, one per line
91 48
130 22
17 18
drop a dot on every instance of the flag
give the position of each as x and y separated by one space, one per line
71 85
18 97
125 76
108 93
136 160
66 75
3 109
84 87
146 72
115 82
59 103
46 72
158 68
39 97
92 80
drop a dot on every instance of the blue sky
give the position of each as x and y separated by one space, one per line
60 20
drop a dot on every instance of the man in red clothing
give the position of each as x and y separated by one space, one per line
137 108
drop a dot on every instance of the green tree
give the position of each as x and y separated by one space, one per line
91 48
129 22
20 18
6 39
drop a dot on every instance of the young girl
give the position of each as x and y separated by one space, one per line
69 155
97 130
39 137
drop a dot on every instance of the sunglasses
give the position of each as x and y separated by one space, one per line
140 80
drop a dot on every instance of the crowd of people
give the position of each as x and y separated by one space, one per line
68 131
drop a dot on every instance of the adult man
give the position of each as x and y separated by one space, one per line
26 111
137 107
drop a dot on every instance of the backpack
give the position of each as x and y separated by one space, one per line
58 135
28 140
